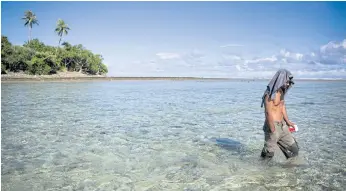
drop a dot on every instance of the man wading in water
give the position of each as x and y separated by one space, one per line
276 121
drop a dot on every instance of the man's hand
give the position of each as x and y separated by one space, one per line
290 123
272 128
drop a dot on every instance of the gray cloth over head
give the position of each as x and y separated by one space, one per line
281 77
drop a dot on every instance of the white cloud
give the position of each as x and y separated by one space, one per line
288 56
231 57
336 73
284 53
231 45
238 67
333 53
334 46
299 56
328 61
261 60
166 55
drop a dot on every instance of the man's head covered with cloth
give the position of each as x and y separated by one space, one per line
283 79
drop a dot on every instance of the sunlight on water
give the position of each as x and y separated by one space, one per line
166 135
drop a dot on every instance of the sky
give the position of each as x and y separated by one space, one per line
197 39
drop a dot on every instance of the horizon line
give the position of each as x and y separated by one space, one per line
231 78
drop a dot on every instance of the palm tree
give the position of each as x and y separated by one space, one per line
61 29
30 19
67 45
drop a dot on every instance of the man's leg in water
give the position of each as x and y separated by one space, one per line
270 142
287 143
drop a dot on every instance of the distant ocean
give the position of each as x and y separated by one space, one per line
166 135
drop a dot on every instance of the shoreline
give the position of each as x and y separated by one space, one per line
73 76
98 78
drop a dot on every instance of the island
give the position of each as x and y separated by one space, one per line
35 58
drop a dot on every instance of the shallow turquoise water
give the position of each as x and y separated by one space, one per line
166 135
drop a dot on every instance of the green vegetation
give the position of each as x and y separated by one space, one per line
61 28
30 19
36 58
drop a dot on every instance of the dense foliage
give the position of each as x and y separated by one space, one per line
37 58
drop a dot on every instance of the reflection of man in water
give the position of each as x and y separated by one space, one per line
276 121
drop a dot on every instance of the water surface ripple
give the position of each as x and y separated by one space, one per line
166 135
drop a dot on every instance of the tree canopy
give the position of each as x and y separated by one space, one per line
36 58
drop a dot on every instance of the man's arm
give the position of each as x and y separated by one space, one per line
278 98
284 112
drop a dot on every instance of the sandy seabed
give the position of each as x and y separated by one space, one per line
165 135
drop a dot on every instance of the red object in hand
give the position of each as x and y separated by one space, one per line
293 129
